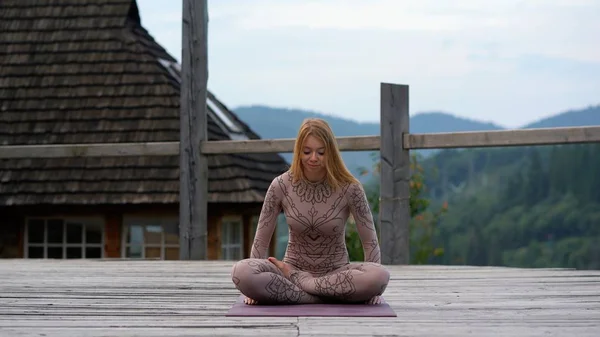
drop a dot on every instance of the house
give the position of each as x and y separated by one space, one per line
86 71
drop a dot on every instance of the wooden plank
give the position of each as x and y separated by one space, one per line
352 143
524 137
394 208
521 137
89 150
174 298
126 330
193 188
283 145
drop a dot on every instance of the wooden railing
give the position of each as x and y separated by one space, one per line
394 145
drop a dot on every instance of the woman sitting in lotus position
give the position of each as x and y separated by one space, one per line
317 195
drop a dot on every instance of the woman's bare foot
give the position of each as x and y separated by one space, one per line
375 300
284 267
250 301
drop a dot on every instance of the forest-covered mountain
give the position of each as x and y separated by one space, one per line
271 122
576 117
524 207
514 206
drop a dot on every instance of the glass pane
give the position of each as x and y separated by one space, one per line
135 235
254 225
225 233
55 252
93 233
35 252
74 253
55 231
35 231
172 233
134 252
153 252
171 253
93 252
74 233
153 235
236 253
236 236
224 255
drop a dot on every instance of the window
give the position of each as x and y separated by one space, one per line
64 238
232 233
151 238
253 227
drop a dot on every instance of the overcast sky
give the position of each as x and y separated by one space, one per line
506 61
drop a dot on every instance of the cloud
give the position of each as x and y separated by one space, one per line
559 28
507 60
358 15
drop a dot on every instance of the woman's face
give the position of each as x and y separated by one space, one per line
313 155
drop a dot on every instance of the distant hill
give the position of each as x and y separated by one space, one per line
271 122
433 122
582 117
514 206
536 206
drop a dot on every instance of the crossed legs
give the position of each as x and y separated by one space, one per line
262 281
267 283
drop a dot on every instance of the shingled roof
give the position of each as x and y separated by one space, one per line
86 71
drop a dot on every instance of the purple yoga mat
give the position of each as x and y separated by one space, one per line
239 308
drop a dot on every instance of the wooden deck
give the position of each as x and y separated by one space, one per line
182 298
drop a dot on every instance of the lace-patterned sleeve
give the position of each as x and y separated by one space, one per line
267 221
361 211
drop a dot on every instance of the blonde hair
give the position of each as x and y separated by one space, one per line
337 172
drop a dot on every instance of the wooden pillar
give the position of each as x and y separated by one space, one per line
394 207
193 191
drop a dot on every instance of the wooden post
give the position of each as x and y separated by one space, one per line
394 207
193 190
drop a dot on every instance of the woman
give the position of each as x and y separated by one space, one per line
317 195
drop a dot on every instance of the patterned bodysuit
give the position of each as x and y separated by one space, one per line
316 215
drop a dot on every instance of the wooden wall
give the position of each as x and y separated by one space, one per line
246 211
12 225
112 235
214 237
11 244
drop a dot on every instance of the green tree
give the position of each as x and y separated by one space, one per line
536 184
423 223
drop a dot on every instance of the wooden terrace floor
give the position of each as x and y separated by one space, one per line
183 298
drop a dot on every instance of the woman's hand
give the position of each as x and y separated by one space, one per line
285 268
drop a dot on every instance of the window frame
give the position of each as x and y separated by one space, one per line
226 247
148 221
84 220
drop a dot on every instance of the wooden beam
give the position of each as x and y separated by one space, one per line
89 150
520 137
394 207
353 143
193 191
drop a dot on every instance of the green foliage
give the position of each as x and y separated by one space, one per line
521 207
422 225
353 243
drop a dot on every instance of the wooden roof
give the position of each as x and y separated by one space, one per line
86 71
